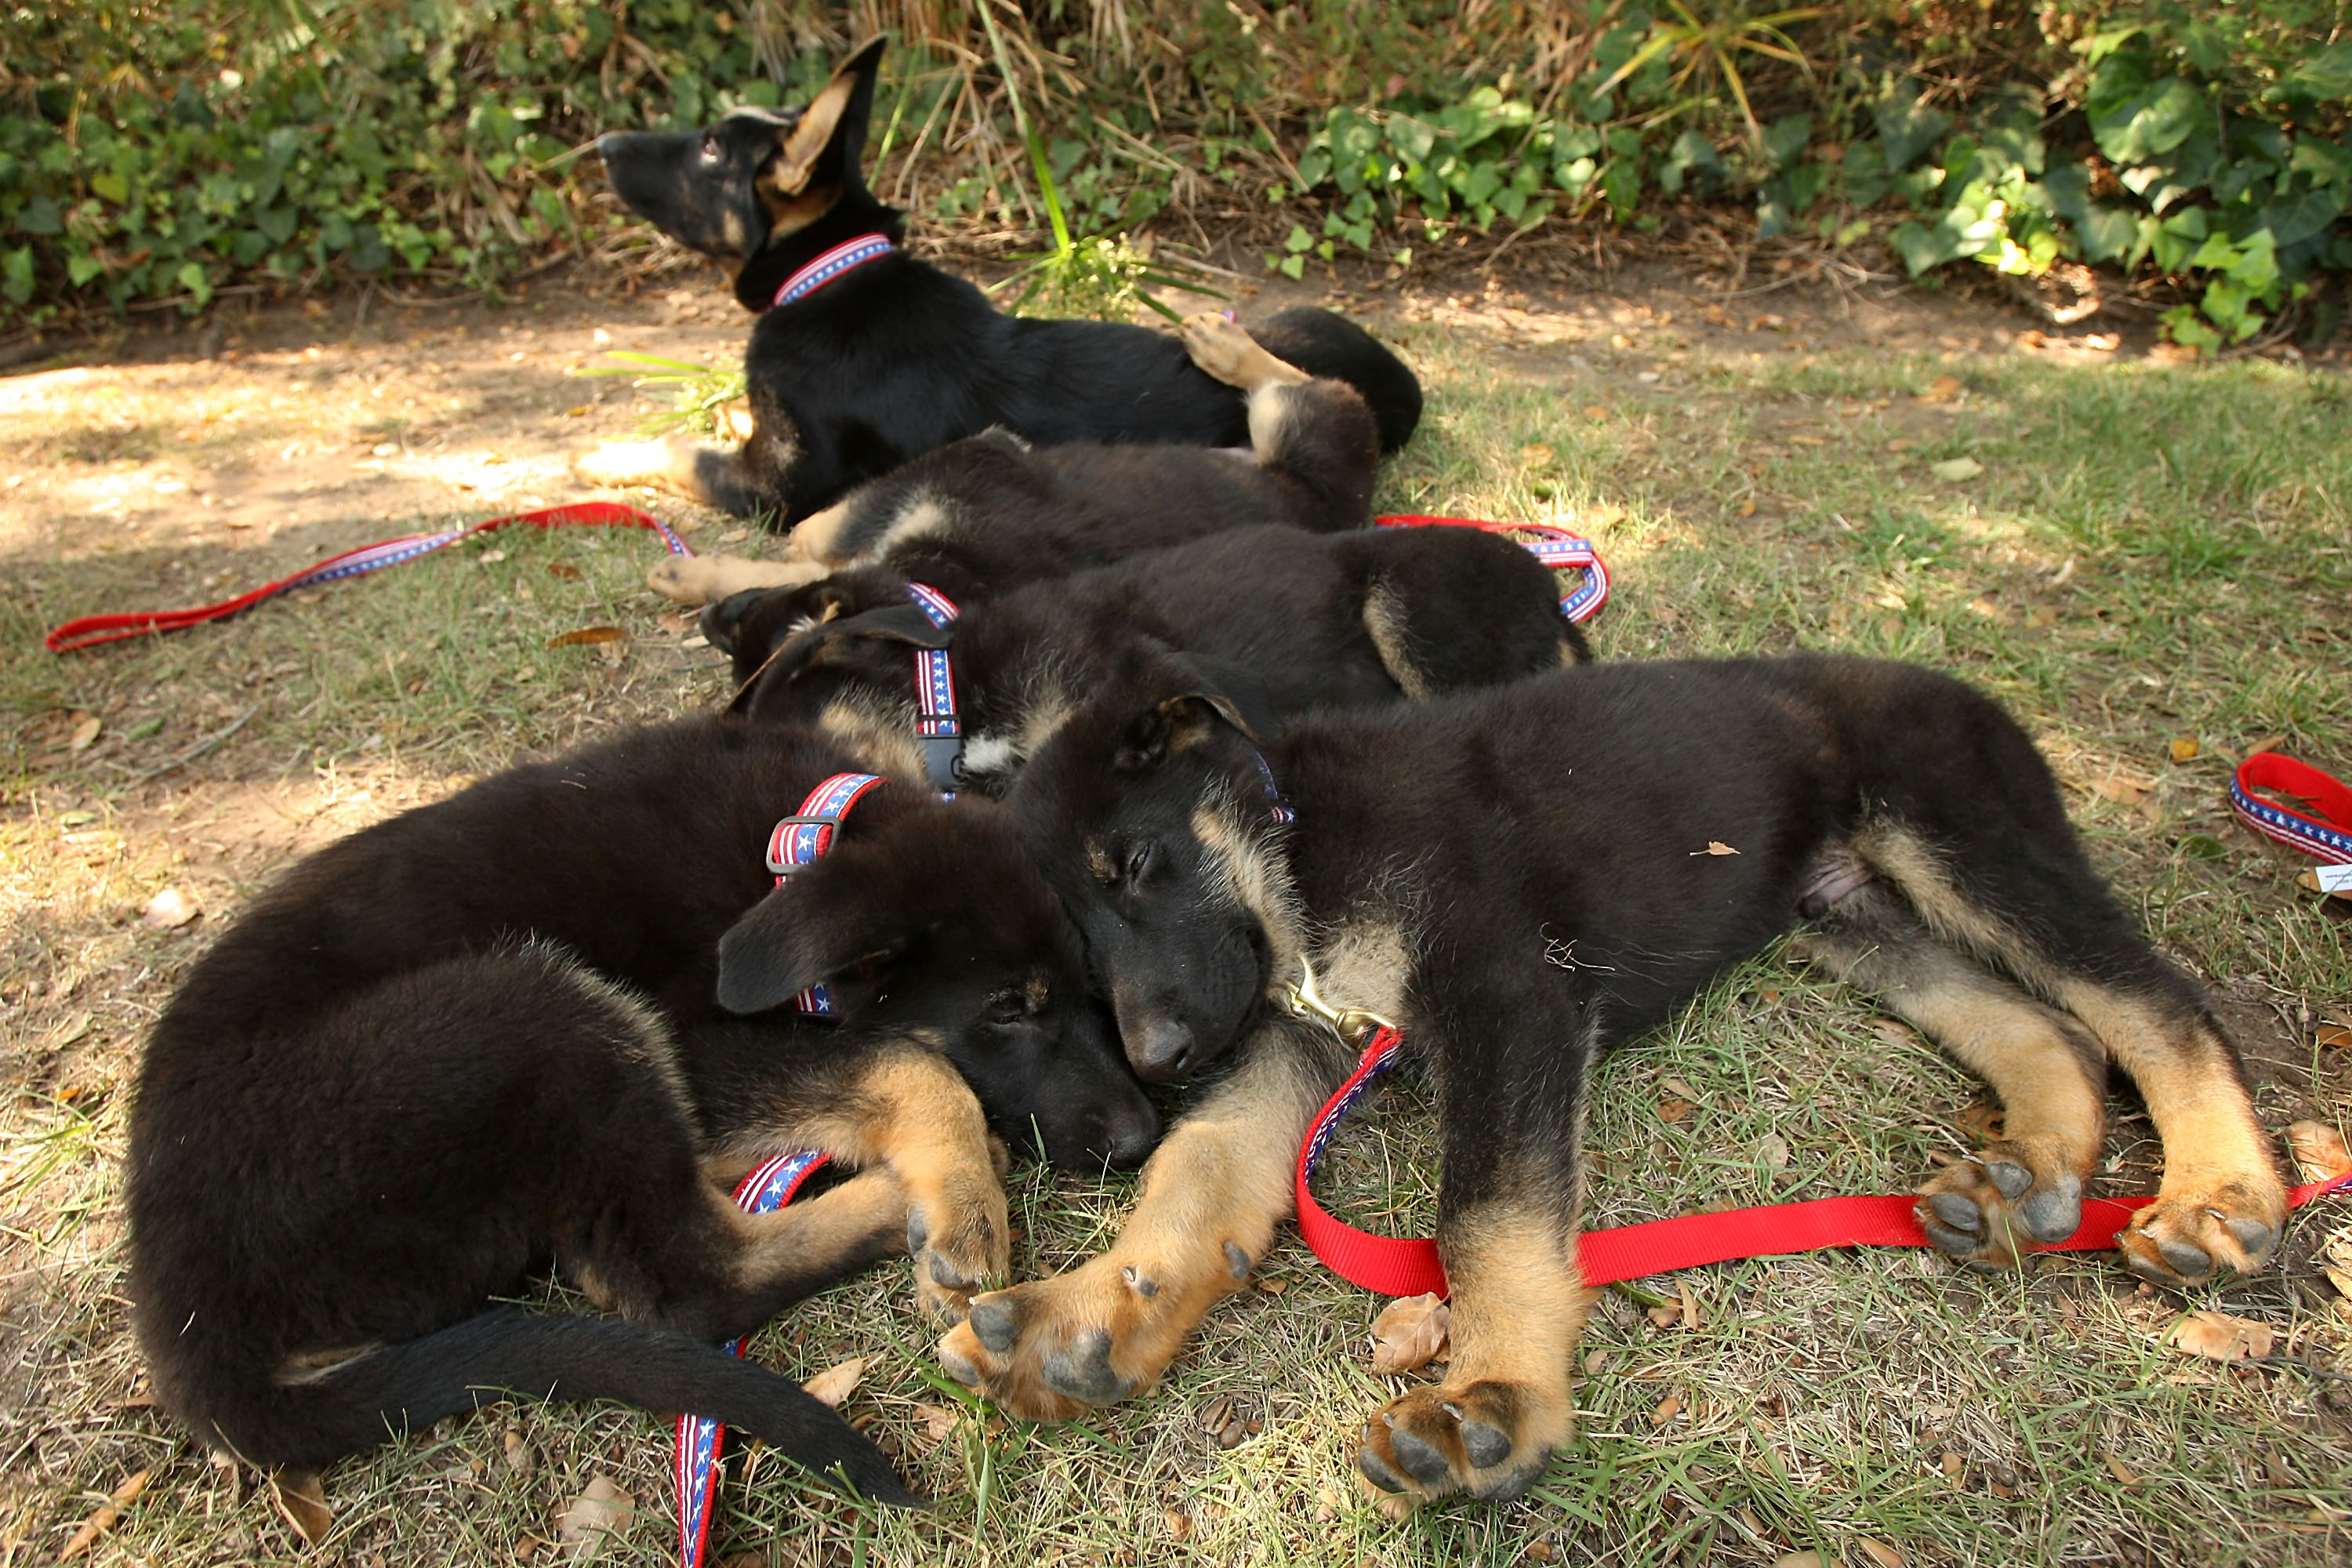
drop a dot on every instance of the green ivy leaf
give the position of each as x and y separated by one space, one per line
113 187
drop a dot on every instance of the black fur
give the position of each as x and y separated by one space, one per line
897 357
1304 620
484 1034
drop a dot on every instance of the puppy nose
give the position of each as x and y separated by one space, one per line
1161 1051
605 143
1132 1134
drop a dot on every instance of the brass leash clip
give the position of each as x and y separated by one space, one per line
1353 1025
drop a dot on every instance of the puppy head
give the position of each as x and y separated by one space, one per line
928 919
1156 821
733 188
770 632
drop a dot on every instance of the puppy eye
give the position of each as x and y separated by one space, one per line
710 147
1137 861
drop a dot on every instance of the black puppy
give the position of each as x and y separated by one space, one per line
864 357
1307 620
488 1033
1521 879
984 515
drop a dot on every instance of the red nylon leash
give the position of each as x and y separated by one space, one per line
91 630
2323 832
1400 1265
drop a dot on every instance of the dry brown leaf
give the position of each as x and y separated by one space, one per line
1718 846
2218 1336
303 1501
1951 1463
1674 1110
1594 411
1801 1559
1176 1522
2318 1150
2334 1036
1943 389
602 1509
85 733
2182 748
1272 1286
1771 1151
1878 1551
2125 1475
1409 1332
1895 1032
1956 470
937 1424
587 635
102 1521
66 1032
2340 1278
1748 507
2123 791
1668 1408
1535 454
834 1384
168 911
1665 1317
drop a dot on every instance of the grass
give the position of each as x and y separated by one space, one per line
2150 553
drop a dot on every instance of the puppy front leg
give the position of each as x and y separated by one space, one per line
699 579
1211 1196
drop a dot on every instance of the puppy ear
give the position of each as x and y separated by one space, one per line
834 121
813 927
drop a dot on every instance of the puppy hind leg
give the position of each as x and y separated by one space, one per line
2047 1069
1226 351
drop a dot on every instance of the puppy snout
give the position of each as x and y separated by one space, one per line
1160 1050
1132 1134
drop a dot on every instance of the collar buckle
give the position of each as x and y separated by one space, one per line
1352 1024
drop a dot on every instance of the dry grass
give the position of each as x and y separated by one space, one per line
2152 552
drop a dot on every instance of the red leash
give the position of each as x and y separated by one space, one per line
2323 832
1397 1265
91 630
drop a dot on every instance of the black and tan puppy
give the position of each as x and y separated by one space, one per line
1304 620
985 515
490 1033
890 357
1520 880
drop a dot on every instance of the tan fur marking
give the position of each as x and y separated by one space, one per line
1366 966
1384 618
923 516
1219 1183
817 536
706 579
1242 869
878 730
800 151
309 1366
1226 351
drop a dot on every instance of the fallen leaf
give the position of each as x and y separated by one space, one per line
2334 1035
2267 742
1674 1110
1535 454
1901 443
1216 1413
1895 1032
304 1502
2182 748
602 1509
2340 1278
2126 792
1594 411
1272 1286
1879 1552
491 557
1594 1361
1771 1151
65 1033
1668 1408
2218 1336
1748 507
1665 1317
1956 470
1409 1332
2319 1149
1541 1551
2125 1475
1176 1522
102 1521
1715 846
168 911
519 1456
1951 1463
588 634
570 574
1691 1317
938 1423
1800 1560
85 733
832 1386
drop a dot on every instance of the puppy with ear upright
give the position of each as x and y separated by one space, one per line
864 356
534 1022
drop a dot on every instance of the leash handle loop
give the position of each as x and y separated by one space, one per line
769 1187
1401 1266
2324 832
90 631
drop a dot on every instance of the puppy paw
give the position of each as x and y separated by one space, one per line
1228 353
1490 1438
1050 1350
960 1240
2195 1229
1988 1210
697 580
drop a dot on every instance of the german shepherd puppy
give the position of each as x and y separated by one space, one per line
893 357
497 1032
1522 877
986 514
1304 620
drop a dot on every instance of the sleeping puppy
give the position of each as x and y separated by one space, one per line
1306 620
536 1022
1521 879
864 357
984 515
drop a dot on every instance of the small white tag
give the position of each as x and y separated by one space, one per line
2335 878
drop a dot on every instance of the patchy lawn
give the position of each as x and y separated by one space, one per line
2134 553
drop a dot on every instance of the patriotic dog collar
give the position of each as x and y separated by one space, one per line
843 259
800 839
939 728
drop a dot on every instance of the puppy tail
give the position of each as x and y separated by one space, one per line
508 1352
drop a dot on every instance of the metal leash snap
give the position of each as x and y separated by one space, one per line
1353 1025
